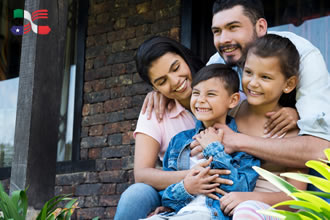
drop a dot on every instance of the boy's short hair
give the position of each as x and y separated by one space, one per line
222 71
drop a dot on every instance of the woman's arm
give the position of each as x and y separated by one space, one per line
146 154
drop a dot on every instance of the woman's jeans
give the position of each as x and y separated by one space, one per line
137 202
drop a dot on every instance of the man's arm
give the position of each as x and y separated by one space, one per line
291 151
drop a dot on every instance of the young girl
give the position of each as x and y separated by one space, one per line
269 81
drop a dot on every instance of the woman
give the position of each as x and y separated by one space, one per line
169 67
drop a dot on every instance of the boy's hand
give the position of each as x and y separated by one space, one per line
157 102
280 122
208 136
229 201
218 180
199 182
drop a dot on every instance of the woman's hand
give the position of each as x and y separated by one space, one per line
230 200
157 102
280 122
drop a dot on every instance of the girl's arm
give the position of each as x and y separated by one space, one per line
146 154
231 200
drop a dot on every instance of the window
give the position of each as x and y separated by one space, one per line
72 85
308 18
10 46
64 147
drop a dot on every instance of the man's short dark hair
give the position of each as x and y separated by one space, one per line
225 73
253 9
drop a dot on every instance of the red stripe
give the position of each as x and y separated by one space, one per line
27 25
29 28
41 10
41 17
36 15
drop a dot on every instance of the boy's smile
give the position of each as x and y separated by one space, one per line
210 101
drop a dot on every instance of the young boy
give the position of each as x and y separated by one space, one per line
215 91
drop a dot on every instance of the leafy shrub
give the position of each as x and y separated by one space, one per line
308 204
15 206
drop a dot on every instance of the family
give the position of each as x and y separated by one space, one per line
261 100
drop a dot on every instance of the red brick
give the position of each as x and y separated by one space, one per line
115 176
98 85
86 109
119 127
94 153
110 212
118 69
88 87
108 189
96 130
89 213
117 104
96 108
109 200
113 164
128 138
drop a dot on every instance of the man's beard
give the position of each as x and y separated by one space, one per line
230 59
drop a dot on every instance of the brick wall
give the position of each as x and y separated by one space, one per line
113 95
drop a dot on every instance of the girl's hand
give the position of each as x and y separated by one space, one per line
208 136
229 201
157 102
280 122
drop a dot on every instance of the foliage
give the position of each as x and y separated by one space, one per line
15 207
309 205
50 212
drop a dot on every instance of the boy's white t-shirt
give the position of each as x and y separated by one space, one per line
199 203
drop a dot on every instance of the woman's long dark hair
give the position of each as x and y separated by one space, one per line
155 47
272 45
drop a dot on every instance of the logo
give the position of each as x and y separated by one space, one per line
38 29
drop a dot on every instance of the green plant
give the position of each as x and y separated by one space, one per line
50 211
309 205
14 207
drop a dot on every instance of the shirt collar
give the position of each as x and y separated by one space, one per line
229 121
176 110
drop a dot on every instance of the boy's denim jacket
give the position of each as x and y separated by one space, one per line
177 157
